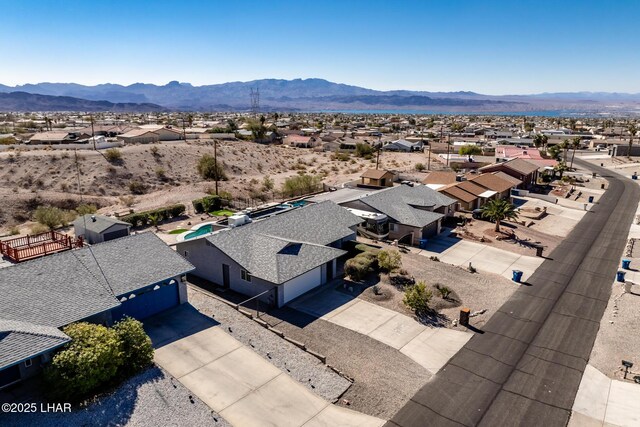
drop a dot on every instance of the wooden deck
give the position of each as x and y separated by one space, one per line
38 245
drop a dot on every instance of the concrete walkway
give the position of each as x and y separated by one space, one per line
485 258
602 401
240 385
429 347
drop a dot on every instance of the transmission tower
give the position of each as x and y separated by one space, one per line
255 100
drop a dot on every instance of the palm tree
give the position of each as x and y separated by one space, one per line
632 131
575 144
565 146
498 210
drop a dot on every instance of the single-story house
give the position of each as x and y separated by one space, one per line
521 169
58 137
99 228
377 178
147 134
301 141
277 258
404 145
414 212
466 200
439 179
135 276
499 182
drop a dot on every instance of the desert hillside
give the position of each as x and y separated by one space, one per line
167 174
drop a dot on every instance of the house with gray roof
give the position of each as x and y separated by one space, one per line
99 228
277 258
404 145
135 276
414 213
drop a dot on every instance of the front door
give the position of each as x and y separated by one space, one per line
225 275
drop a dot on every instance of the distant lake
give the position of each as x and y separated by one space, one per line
545 113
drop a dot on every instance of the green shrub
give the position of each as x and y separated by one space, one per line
207 204
444 291
420 167
140 219
417 297
113 155
366 248
389 260
301 184
137 187
135 344
85 209
210 169
50 216
364 150
90 360
359 266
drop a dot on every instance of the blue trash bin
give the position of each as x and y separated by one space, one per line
620 276
626 264
423 244
517 276
590 199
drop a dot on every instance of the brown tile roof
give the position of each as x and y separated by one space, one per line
470 187
374 173
507 177
521 166
440 177
458 193
493 182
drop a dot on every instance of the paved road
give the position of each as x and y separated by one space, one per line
525 367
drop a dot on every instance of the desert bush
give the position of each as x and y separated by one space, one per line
389 260
50 216
85 209
443 290
140 219
417 297
267 183
420 167
358 267
364 150
137 187
113 155
128 201
300 184
209 169
207 204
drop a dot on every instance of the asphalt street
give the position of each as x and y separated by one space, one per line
525 366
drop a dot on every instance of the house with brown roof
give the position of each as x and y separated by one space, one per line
521 169
469 195
439 179
497 183
376 178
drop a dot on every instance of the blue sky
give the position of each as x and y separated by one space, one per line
494 47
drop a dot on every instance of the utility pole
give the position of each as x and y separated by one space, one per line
215 161
378 155
448 147
184 130
93 134
429 158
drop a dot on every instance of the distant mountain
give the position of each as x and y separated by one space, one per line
319 94
23 101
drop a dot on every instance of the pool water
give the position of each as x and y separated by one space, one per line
297 203
205 229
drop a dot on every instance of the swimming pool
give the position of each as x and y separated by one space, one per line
205 229
296 204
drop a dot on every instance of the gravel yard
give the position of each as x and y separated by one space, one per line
384 378
148 399
478 291
300 365
619 335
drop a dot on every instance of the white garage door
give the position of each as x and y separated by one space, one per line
301 284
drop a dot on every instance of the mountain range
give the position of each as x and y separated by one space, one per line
294 95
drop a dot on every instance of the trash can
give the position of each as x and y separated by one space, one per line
635 175
626 264
464 316
590 199
620 276
627 286
422 244
539 250
517 276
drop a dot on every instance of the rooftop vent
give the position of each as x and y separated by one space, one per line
93 218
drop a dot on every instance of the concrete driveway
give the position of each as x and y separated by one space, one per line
485 258
240 385
429 347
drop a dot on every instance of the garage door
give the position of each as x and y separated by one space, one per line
301 284
149 302
9 375
115 234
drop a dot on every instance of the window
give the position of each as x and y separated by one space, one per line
28 363
245 275
393 227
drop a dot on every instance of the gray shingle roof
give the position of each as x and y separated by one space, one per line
287 245
66 287
21 340
100 224
402 204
